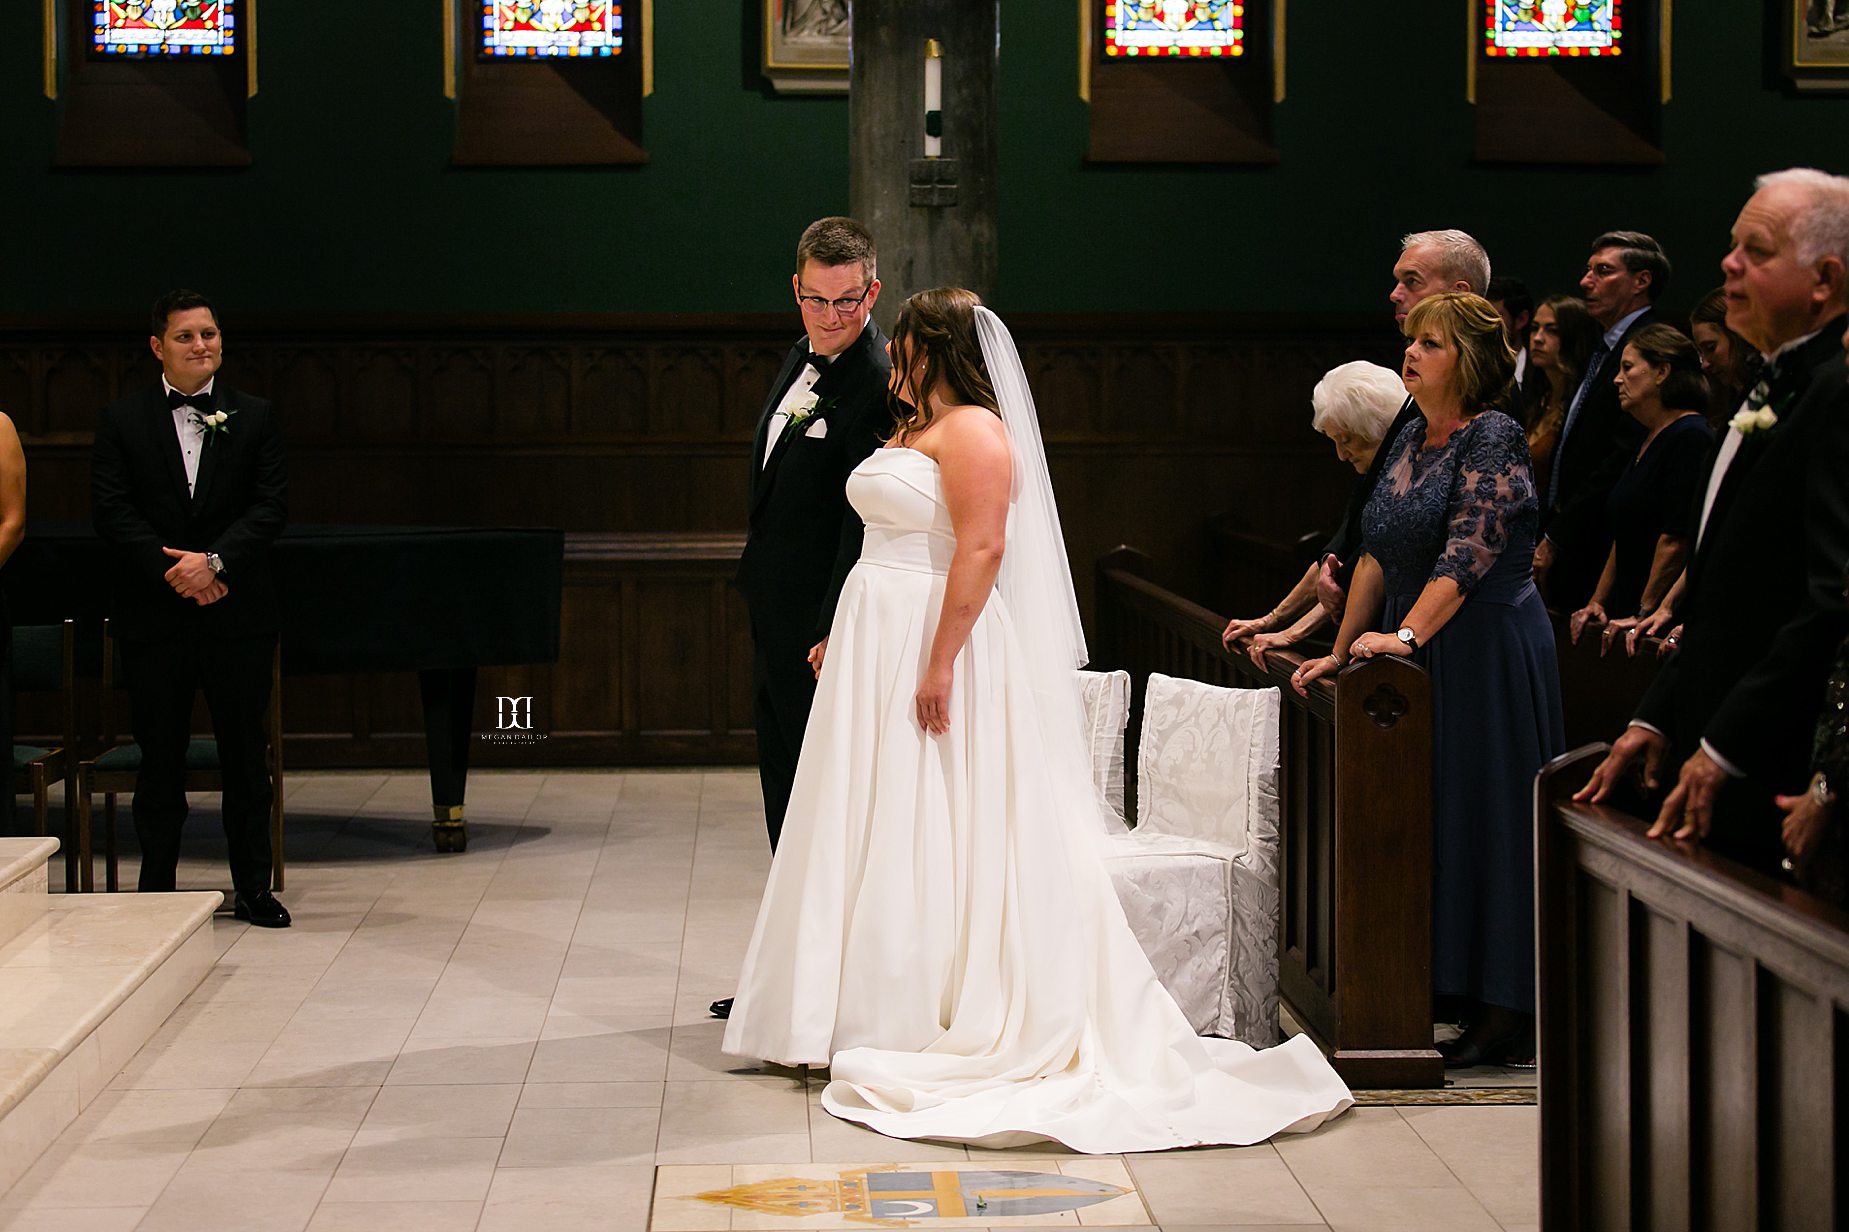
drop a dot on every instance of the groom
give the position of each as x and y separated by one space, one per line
188 484
826 412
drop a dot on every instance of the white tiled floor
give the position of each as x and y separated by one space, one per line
514 1038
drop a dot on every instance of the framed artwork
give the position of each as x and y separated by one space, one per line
1814 43
806 45
141 28
1553 28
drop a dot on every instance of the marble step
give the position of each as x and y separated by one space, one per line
23 883
82 988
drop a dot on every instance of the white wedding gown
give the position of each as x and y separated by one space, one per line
935 932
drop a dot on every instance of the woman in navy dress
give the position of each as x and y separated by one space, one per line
1448 579
1651 507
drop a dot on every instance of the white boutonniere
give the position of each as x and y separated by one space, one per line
807 409
212 423
1747 422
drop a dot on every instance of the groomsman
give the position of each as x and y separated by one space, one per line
825 413
187 484
1626 273
1733 708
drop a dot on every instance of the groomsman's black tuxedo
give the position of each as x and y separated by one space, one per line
1763 611
1589 461
173 647
803 539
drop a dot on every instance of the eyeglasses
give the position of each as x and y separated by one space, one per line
816 304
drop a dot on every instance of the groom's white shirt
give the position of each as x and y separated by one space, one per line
799 390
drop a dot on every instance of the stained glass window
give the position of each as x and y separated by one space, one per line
165 27
1174 27
551 28
1553 28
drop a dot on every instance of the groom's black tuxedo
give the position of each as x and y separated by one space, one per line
1763 612
173 647
803 538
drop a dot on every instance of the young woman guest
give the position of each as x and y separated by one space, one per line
1725 356
1559 348
1448 579
1661 386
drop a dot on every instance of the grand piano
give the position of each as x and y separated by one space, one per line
440 602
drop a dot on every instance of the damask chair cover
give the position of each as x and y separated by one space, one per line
1198 877
1107 713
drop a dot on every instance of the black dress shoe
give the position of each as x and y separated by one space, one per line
263 910
1497 1037
722 1008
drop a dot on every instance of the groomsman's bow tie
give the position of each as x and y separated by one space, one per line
818 362
176 399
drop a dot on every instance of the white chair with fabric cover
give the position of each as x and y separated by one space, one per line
1198 877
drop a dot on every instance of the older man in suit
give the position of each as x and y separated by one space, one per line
1626 273
188 484
1733 707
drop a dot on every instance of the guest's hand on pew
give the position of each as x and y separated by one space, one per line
1592 614
1652 625
1634 743
1806 818
1314 669
1690 804
211 594
816 652
1239 630
1370 644
1264 643
1329 592
1669 642
1616 631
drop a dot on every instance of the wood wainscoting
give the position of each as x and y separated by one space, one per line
654 670
642 424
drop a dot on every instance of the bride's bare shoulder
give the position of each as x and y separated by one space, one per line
972 428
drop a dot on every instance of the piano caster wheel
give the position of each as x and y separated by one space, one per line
450 835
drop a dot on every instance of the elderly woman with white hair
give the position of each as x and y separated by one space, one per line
1353 405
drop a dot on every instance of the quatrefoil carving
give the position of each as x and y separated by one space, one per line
1386 705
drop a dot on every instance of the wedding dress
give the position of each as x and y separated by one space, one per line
939 927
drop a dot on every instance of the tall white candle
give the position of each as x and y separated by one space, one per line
934 98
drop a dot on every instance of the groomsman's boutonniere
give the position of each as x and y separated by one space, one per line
807 409
212 423
1748 421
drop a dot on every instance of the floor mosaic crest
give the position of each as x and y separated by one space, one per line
1096 1193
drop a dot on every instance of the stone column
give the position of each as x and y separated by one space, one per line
933 219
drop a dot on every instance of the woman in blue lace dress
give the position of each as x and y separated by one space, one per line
1447 578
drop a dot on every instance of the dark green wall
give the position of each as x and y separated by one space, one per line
351 204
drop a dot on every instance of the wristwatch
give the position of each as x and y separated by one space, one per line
1405 636
215 563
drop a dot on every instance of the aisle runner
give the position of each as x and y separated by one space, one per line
702 1197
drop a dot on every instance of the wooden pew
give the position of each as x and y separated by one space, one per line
1356 788
1599 693
1694 1031
1248 573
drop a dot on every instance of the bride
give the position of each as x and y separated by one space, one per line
939 927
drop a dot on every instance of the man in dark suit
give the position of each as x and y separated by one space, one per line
1625 275
826 412
1763 609
188 483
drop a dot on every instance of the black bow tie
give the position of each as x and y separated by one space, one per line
199 401
818 362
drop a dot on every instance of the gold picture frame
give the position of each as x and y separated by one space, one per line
1814 44
806 45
